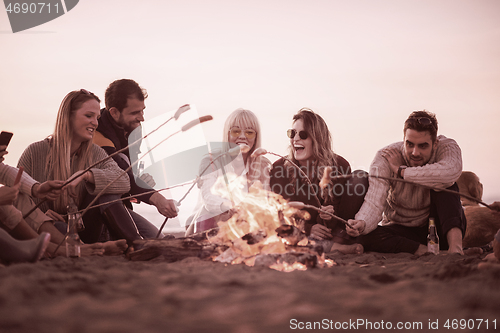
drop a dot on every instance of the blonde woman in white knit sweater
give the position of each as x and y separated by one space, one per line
404 209
241 128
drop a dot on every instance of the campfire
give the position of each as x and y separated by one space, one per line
264 231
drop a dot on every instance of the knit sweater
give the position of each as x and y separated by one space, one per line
393 202
8 175
9 215
34 159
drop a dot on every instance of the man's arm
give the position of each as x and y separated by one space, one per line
446 169
376 197
166 207
124 163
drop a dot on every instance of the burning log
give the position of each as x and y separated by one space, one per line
254 237
175 249
308 260
292 235
265 230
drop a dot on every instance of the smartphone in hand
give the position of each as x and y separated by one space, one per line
5 138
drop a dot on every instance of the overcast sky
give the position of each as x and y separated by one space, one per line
363 65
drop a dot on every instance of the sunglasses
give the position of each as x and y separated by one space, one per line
86 92
302 134
236 132
424 121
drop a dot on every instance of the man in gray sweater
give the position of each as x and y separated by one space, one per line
404 209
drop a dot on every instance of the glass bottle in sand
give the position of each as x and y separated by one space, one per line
432 238
73 240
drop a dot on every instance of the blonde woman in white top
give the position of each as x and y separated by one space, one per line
223 167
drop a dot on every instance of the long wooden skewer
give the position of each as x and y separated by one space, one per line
231 151
301 205
180 111
417 184
184 128
262 151
133 196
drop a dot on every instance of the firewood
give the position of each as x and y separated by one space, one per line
171 249
309 260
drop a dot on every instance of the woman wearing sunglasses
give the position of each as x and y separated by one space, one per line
66 154
223 165
311 150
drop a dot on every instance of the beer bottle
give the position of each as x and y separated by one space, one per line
73 240
432 238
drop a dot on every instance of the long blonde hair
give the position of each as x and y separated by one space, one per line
60 165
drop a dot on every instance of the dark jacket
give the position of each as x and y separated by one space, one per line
289 183
111 137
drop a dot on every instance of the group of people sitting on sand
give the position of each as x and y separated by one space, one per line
386 210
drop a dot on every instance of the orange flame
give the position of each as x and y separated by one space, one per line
284 267
258 213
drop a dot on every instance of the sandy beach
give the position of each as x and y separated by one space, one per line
113 294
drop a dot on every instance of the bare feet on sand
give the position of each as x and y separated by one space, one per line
111 248
422 249
115 248
473 251
489 261
348 249
87 250
456 249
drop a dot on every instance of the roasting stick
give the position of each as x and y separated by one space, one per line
180 111
326 179
262 151
184 128
301 205
133 196
18 176
233 151
421 185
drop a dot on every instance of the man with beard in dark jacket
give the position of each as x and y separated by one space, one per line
124 112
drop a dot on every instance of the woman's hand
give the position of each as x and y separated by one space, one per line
148 179
328 209
54 216
71 188
49 190
3 152
357 227
496 206
321 232
228 210
8 194
166 207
